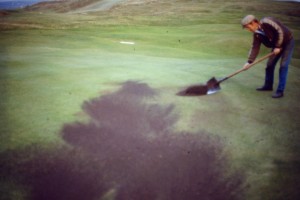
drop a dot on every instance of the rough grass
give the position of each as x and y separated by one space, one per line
52 63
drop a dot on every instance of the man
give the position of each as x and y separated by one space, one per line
276 36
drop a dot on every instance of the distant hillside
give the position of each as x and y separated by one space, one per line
61 6
85 6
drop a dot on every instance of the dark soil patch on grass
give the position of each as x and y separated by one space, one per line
129 147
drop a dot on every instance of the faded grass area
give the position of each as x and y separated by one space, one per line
53 65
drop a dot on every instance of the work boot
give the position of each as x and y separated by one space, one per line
277 94
264 88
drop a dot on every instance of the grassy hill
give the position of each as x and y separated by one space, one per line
88 103
60 6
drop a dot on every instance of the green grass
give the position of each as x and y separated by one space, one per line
51 63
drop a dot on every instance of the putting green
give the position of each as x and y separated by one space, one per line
49 68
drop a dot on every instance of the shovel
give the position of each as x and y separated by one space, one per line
213 85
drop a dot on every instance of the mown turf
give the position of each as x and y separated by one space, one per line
52 63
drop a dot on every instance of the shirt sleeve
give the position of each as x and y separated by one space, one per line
254 49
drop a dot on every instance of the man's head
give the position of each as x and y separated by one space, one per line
250 23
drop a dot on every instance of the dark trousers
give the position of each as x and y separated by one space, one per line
286 56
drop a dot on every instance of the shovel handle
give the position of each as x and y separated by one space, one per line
250 65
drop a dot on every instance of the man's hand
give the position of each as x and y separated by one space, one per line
246 66
276 51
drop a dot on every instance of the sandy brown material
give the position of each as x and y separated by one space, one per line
194 90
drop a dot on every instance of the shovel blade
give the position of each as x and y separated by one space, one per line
213 85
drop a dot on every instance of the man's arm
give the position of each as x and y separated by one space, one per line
254 49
